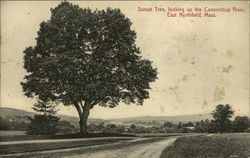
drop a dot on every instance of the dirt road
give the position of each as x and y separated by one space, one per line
148 150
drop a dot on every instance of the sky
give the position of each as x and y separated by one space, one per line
202 62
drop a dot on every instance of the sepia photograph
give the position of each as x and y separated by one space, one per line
124 79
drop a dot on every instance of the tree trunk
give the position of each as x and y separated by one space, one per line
83 112
86 110
81 125
79 110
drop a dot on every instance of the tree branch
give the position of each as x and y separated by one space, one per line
94 103
78 108
81 104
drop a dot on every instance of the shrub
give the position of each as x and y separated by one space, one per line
247 130
43 125
240 124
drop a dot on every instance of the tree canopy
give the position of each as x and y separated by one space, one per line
221 116
84 56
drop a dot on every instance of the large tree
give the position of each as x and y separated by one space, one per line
86 58
222 115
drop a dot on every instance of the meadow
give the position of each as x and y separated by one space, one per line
229 145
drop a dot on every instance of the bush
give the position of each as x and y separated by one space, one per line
247 130
169 130
184 130
108 130
13 123
168 125
93 128
43 125
240 124
65 127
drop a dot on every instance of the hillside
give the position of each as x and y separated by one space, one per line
174 119
10 112
21 115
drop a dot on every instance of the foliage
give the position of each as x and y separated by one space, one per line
92 128
120 129
169 130
188 124
205 127
184 130
221 122
107 129
17 123
179 125
45 123
168 124
221 116
247 130
241 124
178 128
141 129
66 127
44 107
11 123
111 125
132 126
85 56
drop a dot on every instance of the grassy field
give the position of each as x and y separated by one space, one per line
213 146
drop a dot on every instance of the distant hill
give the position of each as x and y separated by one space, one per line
21 114
10 111
174 119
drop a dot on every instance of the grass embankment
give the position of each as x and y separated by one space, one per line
12 137
145 135
214 146
30 147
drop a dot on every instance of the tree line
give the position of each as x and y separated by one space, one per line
48 124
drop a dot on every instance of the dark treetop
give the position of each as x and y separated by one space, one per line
84 55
